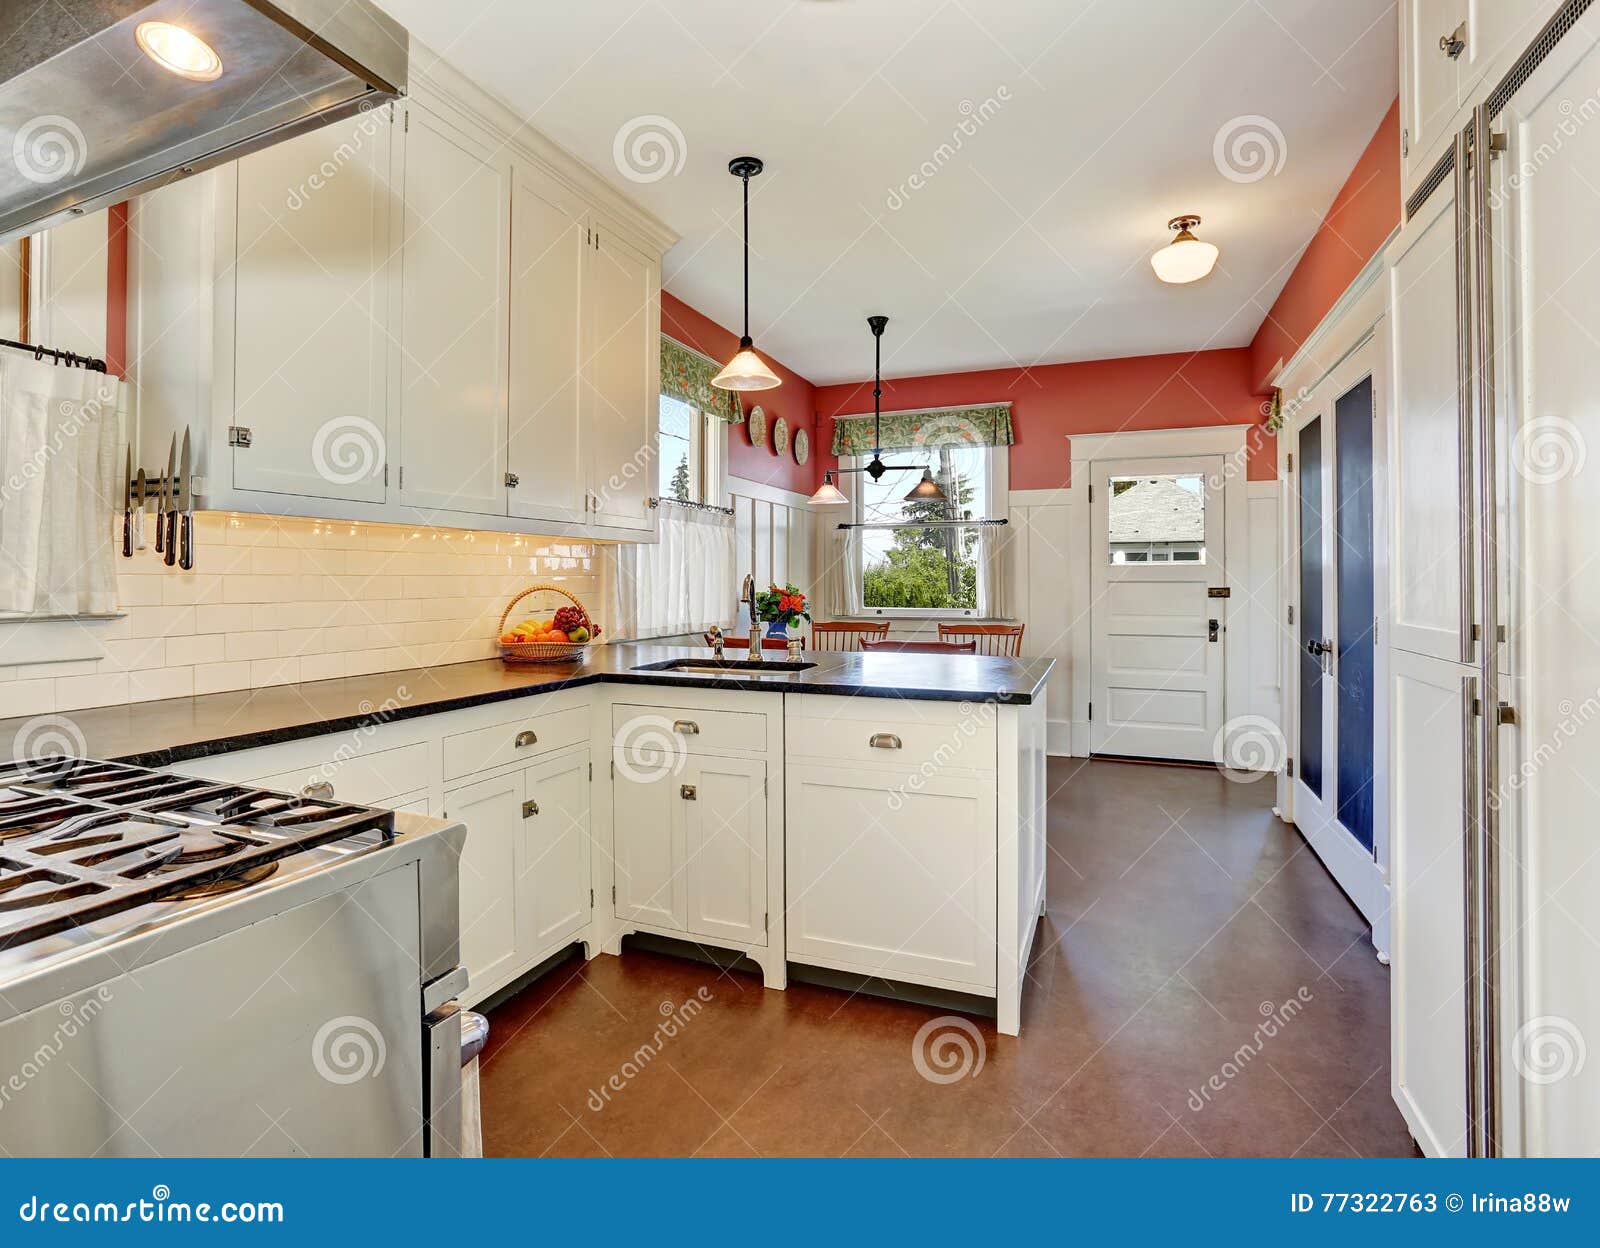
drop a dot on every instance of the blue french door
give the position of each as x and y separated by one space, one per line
1355 613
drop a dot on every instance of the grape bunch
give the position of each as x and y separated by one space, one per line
569 618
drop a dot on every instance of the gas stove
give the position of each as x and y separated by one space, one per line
83 840
191 956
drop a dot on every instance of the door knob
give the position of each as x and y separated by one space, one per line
1318 648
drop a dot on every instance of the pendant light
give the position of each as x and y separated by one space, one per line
1185 258
925 490
747 370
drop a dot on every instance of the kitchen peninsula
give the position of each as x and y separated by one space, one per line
876 815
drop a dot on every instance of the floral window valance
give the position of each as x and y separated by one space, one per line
987 424
686 375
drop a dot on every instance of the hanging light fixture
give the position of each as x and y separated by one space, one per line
747 370
926 489
1185 258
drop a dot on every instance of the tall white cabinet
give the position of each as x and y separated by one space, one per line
424 313
1495 659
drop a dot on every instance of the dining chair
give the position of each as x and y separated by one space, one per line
846 636
922 647
1002 640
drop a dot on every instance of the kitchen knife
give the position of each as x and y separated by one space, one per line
161 506
186 545
127 505
140 494
170 519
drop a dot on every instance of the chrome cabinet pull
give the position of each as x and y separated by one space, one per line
687 727
1464 406
1455 43
884 741
321 790
687 792
526 737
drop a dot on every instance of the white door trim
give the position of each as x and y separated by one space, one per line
1364 879
1230 441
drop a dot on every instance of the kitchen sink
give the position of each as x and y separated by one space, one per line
724 667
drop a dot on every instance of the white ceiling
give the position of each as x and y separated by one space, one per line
1027 245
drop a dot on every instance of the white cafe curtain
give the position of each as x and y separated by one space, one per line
681 584
59 489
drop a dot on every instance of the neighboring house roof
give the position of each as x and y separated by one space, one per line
1157 509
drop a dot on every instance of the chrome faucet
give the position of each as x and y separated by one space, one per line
747 596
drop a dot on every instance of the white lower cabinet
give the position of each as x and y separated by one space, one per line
892 873
525 890
490 861
691 846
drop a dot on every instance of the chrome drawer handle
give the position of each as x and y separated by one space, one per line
320 789
526 738
687 727
884 741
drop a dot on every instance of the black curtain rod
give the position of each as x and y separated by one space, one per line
70 358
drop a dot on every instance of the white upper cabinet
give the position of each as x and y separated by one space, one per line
621 377
454 316
549 249
1452 54
428 311
311 293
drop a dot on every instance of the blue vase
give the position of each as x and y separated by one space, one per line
777 628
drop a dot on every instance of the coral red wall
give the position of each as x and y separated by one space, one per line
1052 402
795 400
1364 214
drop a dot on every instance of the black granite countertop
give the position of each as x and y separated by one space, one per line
156 734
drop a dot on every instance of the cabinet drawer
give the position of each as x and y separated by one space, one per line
371 779
484 748
950 739
653 728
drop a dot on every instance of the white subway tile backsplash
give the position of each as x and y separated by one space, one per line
279 599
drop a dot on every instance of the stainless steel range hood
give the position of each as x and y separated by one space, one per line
88 117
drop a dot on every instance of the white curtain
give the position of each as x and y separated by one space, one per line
683 583
994 554
60 488
838 586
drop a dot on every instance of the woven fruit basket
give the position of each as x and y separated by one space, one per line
531 640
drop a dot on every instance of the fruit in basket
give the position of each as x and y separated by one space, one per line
555 634
567 619
578 635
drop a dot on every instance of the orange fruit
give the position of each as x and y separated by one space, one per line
557 635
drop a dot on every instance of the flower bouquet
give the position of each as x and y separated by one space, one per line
779 608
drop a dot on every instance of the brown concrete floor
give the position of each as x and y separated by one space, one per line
1181 915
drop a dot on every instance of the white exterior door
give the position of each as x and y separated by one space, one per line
1157 652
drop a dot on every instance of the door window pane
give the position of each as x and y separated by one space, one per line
1352 462
1159 518
1310 488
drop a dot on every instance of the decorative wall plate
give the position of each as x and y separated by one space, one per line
780 436
802 446
756 423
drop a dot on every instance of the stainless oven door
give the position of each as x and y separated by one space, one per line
294 1033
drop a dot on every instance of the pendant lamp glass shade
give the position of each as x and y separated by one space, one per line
747 370
926 490
1185 259
828 494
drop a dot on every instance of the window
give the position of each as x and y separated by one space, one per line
905 568
1157 519
691 448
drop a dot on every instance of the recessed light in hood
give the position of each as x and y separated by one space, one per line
179 51
104 99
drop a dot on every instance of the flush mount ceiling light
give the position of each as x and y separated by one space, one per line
927 489
178 51
747 370
1185 258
